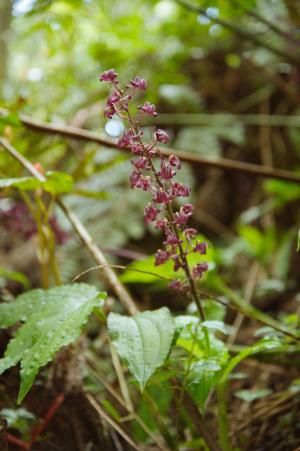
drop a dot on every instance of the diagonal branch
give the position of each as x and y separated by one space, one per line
221 163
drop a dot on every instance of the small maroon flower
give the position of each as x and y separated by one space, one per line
199 269
150 149
174 161
187 209
141 163
161 197
109 111
136 148
176 285
144 183
148 108
201 248
190 233
162 224
113 98
166 172
161 136
134 178
138 83
161 257
178 189
109 75
126 140
180 219
172 239
150 213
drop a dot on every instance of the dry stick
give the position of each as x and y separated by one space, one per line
221 163
121 378
114 283
112 423
249 289
95 371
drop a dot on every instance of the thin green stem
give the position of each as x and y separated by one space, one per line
223 423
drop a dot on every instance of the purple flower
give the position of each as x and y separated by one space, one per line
190 233
166 172
161 257
144 183
136 148
161 197
161 136
109 75
174 161
199 269
178 189
138 83
187 209
150 213
126 140
113 98
141 163
180 219
150 149
109 111
172 239
162 223
134 178
176 285
148 108
201 248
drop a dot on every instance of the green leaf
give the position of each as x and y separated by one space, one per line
22 183
7 118
252 395
142 341
15 276
215 325
265 345
58 182
55 183
54 318
298 241
203 377
144 271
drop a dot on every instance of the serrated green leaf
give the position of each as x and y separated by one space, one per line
143 341
54 318
26 304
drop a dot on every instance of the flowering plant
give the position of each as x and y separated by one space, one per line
156 173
